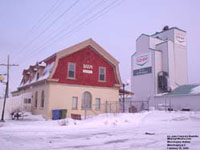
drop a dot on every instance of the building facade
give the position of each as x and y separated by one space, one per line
79 78
159 64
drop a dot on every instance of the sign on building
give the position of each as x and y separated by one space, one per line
180 39
142 64
87 68
1 78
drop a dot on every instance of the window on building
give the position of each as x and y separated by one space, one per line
74 102
36 99
29 100
87 100
42 99
162 82
37 75
71 70
98 103
102 73
25 101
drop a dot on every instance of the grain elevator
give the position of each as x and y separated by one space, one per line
159 64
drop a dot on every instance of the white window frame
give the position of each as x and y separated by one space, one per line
42 99
104 68
86 103
75 100
98 105
36 99
70 63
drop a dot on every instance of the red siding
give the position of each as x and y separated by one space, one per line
85 56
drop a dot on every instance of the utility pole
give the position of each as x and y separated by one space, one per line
7 86
123 97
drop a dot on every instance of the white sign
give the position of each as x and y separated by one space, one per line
180 39
87 71
142 61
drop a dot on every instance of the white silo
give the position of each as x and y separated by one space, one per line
159 63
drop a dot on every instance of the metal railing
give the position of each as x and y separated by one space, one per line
118 107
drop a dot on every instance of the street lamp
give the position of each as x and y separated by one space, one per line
123 98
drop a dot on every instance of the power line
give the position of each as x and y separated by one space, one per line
49 26
54 21
105 11
47 14
76 18
42 19
97 16
87 21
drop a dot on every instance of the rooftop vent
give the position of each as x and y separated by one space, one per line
166 28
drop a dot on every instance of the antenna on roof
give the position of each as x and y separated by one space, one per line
165 28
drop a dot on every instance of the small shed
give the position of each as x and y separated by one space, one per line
185 97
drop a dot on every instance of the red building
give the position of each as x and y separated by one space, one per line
81 77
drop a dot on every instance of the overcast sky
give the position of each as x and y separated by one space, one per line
31 30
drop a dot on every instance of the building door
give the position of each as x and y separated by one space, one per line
87 100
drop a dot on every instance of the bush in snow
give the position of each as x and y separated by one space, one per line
63 122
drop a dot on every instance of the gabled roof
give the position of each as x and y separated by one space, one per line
82 45
186 90
53 60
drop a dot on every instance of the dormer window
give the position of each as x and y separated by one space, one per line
35 69
71 70
102 74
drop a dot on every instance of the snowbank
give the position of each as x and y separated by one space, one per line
138 131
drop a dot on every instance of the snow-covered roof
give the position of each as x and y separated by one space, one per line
45 74
196 90
186 90
42 64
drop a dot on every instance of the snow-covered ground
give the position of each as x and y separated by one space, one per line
139 131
